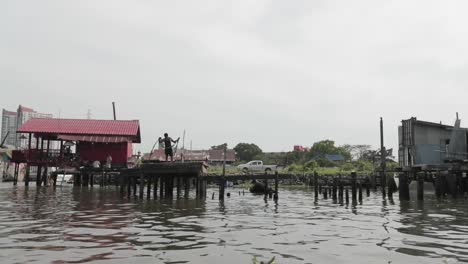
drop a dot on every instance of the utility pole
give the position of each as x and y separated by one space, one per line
224 158
113 108
383 158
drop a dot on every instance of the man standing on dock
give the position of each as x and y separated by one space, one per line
168 145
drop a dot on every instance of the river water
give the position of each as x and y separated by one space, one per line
94 225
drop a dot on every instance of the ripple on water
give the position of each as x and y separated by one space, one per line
70 225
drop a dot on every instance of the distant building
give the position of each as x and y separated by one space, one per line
11 121
212 156
9 128
300 148
426 143
330 157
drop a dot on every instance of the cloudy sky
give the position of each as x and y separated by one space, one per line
276 73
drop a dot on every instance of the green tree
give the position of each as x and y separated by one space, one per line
246 151
321 148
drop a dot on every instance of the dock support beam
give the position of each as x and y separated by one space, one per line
276 196
187 187
316 187
420 188
142 184
222 185
353 186
403 187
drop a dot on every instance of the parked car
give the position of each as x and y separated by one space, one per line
257 166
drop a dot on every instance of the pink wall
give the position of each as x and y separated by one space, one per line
99 151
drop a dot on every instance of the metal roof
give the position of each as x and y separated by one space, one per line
95 139
89 127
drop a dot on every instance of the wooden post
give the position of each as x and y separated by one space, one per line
347 195
266 187
276 197
15 175
161 186
170 187
451 179
325 193
367 189
54 179
134 185
85 177
383 159
403 187
46 169
197 187
155 187
335 189
91 179
122 184
142 184
353 186
28 169
129 185
187 187
224 159
341 189
316 187
205 183
148 186
420 188
39 168
178 186
222 185
360 193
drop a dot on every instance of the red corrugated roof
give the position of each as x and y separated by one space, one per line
90 127
96 139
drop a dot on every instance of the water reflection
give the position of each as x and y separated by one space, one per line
83 225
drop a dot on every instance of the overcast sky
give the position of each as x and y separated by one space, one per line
275 73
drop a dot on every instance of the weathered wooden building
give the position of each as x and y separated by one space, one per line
427 143
80 142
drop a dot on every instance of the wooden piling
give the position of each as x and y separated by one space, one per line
266 187
451 180
347 195
276 196
316 187
334 190
325 193
38 176
149 179
341 189
155 187
162 180
178 186
26 177
122 184
420 188
367 189
403 184
91 179
187 187
360 192
222 185
142 185
353 186
128 182
197 187
15 175
85 178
